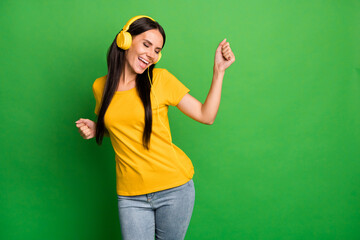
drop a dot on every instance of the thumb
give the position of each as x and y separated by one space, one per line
221 44
79 121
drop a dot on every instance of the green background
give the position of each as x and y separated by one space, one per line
281 161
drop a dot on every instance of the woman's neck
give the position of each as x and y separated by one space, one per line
128 75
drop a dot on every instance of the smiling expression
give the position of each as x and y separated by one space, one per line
144 51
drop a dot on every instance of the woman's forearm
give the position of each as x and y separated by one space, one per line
206 112
211 105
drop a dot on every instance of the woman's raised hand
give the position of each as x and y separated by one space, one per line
224 57
87 128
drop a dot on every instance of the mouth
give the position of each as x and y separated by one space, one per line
143 62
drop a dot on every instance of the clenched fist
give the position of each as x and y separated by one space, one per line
224 56
87 128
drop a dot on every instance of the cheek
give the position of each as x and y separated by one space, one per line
129 56
132 53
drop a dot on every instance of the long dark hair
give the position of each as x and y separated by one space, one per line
116 64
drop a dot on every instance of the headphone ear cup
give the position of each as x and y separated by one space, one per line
124 40
158 58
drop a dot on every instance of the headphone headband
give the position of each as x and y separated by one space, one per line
133 19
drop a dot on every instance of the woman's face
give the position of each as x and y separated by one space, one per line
144 50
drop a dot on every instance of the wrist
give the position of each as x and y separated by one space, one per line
218 71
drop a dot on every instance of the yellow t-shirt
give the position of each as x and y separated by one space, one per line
164 165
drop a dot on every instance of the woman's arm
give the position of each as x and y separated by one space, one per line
206 112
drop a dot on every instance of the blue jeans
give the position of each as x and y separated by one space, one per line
164 214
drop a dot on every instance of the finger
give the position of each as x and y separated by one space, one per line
80 125
84 135
87 132
87 121
83 128
231 54
224 48
88 136
79 122
227 50
80 119
227 56
231 57
220 44
226 44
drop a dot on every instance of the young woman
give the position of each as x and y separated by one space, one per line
153 176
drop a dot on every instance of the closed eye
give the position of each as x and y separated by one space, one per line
146 45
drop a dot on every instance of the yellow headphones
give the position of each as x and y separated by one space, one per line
124 38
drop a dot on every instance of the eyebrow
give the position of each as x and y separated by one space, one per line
152 44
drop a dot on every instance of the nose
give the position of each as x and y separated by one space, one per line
151 55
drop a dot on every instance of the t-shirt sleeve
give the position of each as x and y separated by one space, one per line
97 88
171 89
97 100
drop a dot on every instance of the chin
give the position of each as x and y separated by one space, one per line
140 71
